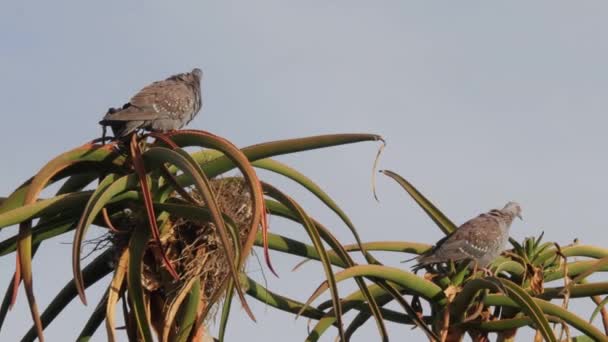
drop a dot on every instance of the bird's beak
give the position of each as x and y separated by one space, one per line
521 218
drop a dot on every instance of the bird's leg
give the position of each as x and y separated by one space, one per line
103 134
487 272
475 267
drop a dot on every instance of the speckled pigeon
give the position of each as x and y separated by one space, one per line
480 240
160 107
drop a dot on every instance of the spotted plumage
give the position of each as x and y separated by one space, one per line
159 107
481 239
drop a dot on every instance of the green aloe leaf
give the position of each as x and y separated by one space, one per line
277 301
218 165
229 288
574 251
504 324
187 314
137 247
45 207
94 320
598 309
115 291
78 182
597 266
281 147
92 209
550 309
294 247
42 231
282 169
442 221
94 205
94 154
238 159
316 240
138 166
405 280
529 307
353 301
24 245
92 273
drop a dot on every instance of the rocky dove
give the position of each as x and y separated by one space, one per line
479 240
159 107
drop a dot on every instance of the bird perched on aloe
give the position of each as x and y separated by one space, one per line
479 240
159 107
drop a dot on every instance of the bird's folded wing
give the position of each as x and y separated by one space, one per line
479 233
165 98
130 114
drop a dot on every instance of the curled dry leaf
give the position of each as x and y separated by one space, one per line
537 280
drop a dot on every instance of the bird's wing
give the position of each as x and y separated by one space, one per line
129 113
471 238
166 98
163 99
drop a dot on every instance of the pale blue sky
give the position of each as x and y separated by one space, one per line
481 103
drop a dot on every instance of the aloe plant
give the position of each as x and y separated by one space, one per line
179 232
460 302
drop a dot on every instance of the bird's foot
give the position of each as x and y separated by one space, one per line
487 272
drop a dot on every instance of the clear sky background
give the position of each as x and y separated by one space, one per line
480 102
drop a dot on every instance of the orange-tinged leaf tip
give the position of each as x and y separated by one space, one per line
16 281
82 297
269 264
265 239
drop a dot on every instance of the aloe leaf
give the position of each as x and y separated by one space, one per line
504 324
277 301
294 247
238 159
94 320
138 165
86 153
94 205
316 240
137 247
530 307
598 309
114 293
160 155
45 207
24 245
442 221
42 231
92 273
404 279
353 301
276 148
78 182
551 309
575 250
598 265
188 313
282 169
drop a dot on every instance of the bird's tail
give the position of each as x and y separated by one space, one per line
119 128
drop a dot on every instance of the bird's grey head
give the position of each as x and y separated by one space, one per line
513 209
198 73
